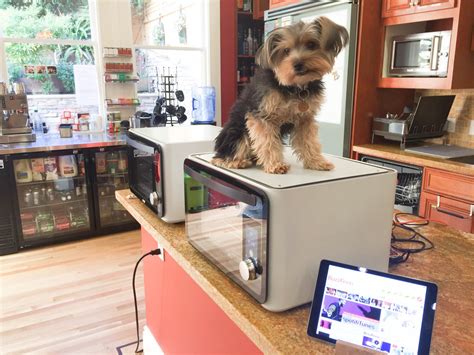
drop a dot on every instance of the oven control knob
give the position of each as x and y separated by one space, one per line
249 269
154 198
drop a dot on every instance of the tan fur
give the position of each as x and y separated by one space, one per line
306 145
266 144
242 158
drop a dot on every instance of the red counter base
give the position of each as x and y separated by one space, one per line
181 316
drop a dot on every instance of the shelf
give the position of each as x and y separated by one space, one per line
122 81
245 13
414 83
246 56
50 205
112 175
56 233
50 181
118 56
123 105
118 71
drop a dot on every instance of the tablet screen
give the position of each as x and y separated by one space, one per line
372 309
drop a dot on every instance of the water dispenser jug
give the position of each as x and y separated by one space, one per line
204 104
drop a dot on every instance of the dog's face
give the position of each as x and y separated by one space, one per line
302 52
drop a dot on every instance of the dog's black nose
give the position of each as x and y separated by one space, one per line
298 67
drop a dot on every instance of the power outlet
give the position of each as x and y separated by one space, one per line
162 252
471 128
451 124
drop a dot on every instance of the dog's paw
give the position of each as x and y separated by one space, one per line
320 164
239 164
232 164
278 168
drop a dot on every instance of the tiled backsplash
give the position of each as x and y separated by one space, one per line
462 110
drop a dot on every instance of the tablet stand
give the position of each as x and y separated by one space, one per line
345 348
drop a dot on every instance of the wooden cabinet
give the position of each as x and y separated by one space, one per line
456 16
448 198
259 7
406 7
279 3
234 60
397 8
449 211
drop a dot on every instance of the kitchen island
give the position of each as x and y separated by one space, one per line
449 265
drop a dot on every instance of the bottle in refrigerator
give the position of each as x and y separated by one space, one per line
112 162
122 162
81 165
28 199
45 221
51 168
67 166
37 167
50 195
36 197
23 172
100 165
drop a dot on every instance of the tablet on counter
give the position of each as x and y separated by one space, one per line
377 310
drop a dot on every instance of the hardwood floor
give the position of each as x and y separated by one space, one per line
71 298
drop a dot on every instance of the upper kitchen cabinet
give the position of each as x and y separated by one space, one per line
424 49
280 3
405 7
397 8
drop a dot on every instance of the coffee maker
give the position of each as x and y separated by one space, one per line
14 119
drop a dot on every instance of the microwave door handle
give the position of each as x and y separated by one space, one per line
434 53
225 190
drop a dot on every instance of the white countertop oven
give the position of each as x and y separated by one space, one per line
269 232
156 164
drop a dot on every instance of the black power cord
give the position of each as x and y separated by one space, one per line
415 242
152 252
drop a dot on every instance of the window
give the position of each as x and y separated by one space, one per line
170 37
43 44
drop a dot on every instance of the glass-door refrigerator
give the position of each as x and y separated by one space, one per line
109 167
52 197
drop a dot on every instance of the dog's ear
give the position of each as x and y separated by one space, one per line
266 53
333 37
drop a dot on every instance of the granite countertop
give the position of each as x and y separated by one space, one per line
393 152
450 265
53 142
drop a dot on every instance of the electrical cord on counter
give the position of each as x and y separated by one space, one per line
415 242
152 252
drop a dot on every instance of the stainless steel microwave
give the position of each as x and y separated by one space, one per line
420 54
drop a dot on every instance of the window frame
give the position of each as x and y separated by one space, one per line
92 42
204 49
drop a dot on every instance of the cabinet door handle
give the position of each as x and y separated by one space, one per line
451 213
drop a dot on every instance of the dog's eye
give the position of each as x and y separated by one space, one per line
286 51
311 45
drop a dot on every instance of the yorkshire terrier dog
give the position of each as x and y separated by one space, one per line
283 97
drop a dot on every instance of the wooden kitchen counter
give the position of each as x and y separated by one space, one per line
393 152
450 265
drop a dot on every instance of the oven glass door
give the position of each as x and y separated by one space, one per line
412 55
146 178
227 222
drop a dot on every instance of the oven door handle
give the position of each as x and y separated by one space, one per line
225 190
140 146
435 53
